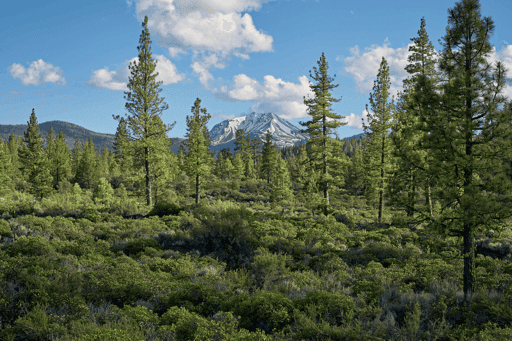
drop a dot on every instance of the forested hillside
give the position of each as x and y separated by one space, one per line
402 235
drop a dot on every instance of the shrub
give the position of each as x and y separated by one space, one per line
267 311
133 248
185 323
333 307
164 207
140 314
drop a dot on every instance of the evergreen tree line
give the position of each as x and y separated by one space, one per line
440 151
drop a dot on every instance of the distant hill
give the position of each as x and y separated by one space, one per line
100 140
69 130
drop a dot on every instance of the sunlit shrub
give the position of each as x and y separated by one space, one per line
140 314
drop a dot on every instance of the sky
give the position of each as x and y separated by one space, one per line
69 59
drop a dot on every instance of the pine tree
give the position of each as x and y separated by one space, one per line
86 174
238 167
34 161
406 137
379 148
197 162
244 148
6 183
123 167
61 163
268 160
144 104
282 192
476 191
14 145
319 128
76 156
50 146
356 178
165 165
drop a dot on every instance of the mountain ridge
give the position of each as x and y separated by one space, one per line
282 137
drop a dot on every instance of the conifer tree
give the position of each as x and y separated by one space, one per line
34 161
86 174
476 191
165 165
282 192
144 104
197 162
379 148
256 152
319 128
238 167
14 145
50 145
406 137
76 156
268 160
123 166
244 148
6 183
181 157
61 163
356 178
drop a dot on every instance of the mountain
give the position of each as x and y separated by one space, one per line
222 135
283 132
69 130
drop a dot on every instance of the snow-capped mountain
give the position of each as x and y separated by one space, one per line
283 132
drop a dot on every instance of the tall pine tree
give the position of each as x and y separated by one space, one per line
144 104
268 159
379 149
197 162
412 159
319 128
471 100
34 161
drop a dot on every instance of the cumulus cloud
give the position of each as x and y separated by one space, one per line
505 56
118 79
364 67
275 95
38 73
212 28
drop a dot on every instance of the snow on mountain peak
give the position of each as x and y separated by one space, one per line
257 124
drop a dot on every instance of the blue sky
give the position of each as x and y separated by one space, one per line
69 59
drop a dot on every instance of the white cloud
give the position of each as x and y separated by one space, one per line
175 51
209 27
275 95
354 120
118 79
364 67
38 73
505 56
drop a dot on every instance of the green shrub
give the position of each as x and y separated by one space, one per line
198 297
164 207
5 229
267 310
333 307
140 314
133 248
184 322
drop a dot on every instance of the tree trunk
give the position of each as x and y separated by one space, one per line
148 187
381 191
197 189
